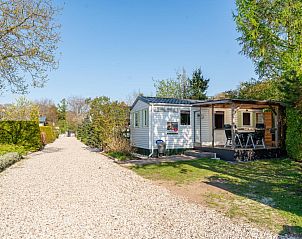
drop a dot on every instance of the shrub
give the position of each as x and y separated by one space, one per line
50 135
8 148
22 133
118 144
294 133
8 159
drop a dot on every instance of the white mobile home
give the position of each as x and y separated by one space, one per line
185 124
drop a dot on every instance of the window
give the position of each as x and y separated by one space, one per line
136 119
184 117
145 118
246 118
259 118
219 119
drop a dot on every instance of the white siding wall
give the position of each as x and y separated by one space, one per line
184 138
139 136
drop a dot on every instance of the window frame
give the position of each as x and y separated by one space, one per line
136 119
219 113
145 117
187 113
261 116
250 120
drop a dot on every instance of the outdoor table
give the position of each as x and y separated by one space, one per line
243 134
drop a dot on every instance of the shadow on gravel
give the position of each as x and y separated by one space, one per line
94 150
48 150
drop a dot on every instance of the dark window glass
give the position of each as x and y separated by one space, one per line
246 118
184 117
219 120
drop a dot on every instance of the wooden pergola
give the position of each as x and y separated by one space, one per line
277 108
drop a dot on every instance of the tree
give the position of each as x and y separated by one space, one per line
183 84
62 115
198 86
257 90
173 88
167 88
22 109
28 39
78 105
132 97
62 109
48 108
105 124
271 37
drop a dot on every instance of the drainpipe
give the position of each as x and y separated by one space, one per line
151 128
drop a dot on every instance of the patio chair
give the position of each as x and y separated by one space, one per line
256 138
228 134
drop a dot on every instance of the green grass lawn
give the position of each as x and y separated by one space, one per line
120 155
265 192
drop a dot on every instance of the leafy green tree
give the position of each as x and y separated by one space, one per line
29 39
271 37
198 86
168 88
256 89
62 109
178 88
62 115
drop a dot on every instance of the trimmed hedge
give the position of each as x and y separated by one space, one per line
24 133
50 135
8 160
294 133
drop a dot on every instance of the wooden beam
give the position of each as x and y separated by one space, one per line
277 120
233 125
213 127
200 141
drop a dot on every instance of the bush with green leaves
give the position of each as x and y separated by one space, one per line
49 133
9 159
8 148
21 133
104 126
87 135
294 134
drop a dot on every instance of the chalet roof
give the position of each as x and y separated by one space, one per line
238 101
161 100
173 101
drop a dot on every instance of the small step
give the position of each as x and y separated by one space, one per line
199 154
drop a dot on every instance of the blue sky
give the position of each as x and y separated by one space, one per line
115 47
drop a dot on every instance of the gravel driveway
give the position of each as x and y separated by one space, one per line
66 191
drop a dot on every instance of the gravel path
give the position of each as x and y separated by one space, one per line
66 191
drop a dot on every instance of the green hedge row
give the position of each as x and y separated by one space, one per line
25 133
50 134
294 133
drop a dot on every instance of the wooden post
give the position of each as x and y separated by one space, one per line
200 141
213 127
277 128
233 125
